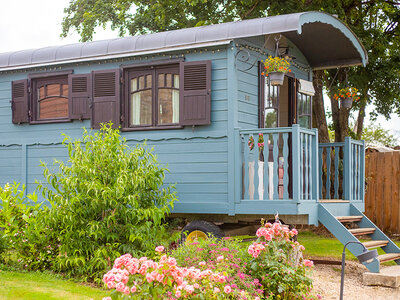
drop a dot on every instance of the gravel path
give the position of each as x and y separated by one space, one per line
326 280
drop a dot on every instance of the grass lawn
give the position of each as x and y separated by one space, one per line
34 285
319 246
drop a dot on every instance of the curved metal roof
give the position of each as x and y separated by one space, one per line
325 41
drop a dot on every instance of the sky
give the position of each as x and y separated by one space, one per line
30 24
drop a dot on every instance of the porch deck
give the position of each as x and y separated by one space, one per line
293 172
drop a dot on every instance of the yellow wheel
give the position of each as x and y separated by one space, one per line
200 230
196 235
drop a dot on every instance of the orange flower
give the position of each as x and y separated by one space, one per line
262 73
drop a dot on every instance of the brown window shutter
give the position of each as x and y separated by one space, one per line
106 97
195 92
19 101
80 95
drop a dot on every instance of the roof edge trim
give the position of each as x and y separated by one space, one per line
322 17
117 55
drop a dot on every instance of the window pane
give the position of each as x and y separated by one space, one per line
141 82
300 103
148 81
168 106
41 92
134 84
304 121
53 90
271 95
141 108
55 107
169 80
160 80
270 118
176 81
65 90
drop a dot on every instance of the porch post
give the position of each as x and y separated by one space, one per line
296 150
238 166
362 172
347 158
315 167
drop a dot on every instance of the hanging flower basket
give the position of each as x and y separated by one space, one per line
276 78
347 96
276 68
346 102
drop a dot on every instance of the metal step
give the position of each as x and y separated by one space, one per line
375 244
346 219
362 231
388 257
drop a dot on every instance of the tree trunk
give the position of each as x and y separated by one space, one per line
319 118
340 117
360 120
343 124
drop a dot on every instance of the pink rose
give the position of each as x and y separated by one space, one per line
149 277
160 249
120 287
308 263
227 289
220 258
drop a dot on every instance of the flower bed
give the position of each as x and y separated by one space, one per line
269 268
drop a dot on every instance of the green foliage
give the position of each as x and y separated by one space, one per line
133 16
375 135
106 200
24 235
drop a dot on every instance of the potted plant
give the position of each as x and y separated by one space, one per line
347 96
276 68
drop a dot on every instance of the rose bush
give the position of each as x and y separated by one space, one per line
227 255
133 278
278 262
270 268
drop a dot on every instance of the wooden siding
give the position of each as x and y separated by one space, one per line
382 195
196 157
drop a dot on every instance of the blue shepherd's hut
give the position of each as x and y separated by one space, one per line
199 97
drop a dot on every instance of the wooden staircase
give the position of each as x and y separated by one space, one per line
336 225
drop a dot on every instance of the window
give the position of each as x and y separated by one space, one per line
304 110
157 95
153 97
270 105
268 101
50 98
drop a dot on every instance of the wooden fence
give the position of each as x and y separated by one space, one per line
382 194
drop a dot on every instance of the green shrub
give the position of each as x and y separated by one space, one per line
278 262
24 235
105 201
